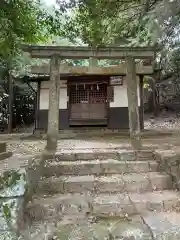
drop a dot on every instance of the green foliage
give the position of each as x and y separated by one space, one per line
129 23
7 211
98 22
9 179
22 22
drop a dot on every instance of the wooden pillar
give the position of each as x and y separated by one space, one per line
37 100
53 112
141 93
154 92
133 109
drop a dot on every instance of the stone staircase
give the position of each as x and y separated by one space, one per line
104 194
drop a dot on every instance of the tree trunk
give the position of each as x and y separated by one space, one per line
134 121
53 113
93 62
10 102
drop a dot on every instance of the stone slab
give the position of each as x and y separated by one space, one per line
102 205
97 167
103 153
163 225
116 229
133 182
150 226
57 206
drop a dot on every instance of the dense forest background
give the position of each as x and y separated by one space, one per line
82 22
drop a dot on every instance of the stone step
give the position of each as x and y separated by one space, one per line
98 167
103 205
163 225
134 182
149 226
101 154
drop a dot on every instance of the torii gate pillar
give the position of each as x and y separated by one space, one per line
53 112
133 109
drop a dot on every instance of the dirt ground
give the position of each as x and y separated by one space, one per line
165 122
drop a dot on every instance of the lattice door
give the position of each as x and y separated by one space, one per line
88 101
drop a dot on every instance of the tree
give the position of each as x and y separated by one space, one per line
21 22
135 22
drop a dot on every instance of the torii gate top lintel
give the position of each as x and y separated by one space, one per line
83 52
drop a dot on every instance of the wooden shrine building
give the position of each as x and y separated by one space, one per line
89 96
108 96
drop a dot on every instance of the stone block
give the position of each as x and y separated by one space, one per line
64 156
161 181
73 168
84 232
56 207
172 204
127 155
50 186
144 155
153 166
163 225
4 155
136 183
125 229
137 166
113 205
79 184
113 183
96 167
2 147
13 187
101 155
113 167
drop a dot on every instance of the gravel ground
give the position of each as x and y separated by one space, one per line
22 147
165 121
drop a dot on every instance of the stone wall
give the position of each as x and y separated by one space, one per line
169 162
15 187
12 191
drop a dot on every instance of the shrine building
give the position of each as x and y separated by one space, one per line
89 96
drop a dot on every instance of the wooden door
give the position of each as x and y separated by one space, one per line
88 102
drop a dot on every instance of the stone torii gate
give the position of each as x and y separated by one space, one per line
57 53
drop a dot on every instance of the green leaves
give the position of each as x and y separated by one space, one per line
23 21
9 179
7 211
